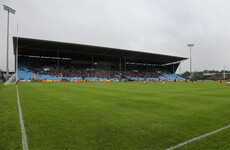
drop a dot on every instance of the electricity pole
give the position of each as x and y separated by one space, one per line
190 45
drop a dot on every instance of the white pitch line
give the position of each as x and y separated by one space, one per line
197 138
23 131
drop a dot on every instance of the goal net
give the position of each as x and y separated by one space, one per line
11 80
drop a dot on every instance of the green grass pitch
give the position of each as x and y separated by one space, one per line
115 116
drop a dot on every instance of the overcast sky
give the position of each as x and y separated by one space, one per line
158 26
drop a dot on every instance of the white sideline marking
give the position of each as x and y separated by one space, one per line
197 138
23 131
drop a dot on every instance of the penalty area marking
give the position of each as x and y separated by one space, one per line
197 138
23 131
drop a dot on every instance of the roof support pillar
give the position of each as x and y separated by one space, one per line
147 67
125 65
120 64
58 62
92 60
173 69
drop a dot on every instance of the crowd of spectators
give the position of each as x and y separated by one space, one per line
66 69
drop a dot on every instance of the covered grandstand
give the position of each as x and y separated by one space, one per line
57 61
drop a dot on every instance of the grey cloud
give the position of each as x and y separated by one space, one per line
149 25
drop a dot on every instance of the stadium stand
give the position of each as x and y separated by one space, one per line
57 61
34 69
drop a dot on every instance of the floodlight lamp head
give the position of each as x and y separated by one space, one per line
190 45
7 8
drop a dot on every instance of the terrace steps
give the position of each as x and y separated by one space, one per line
62 76
35 76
